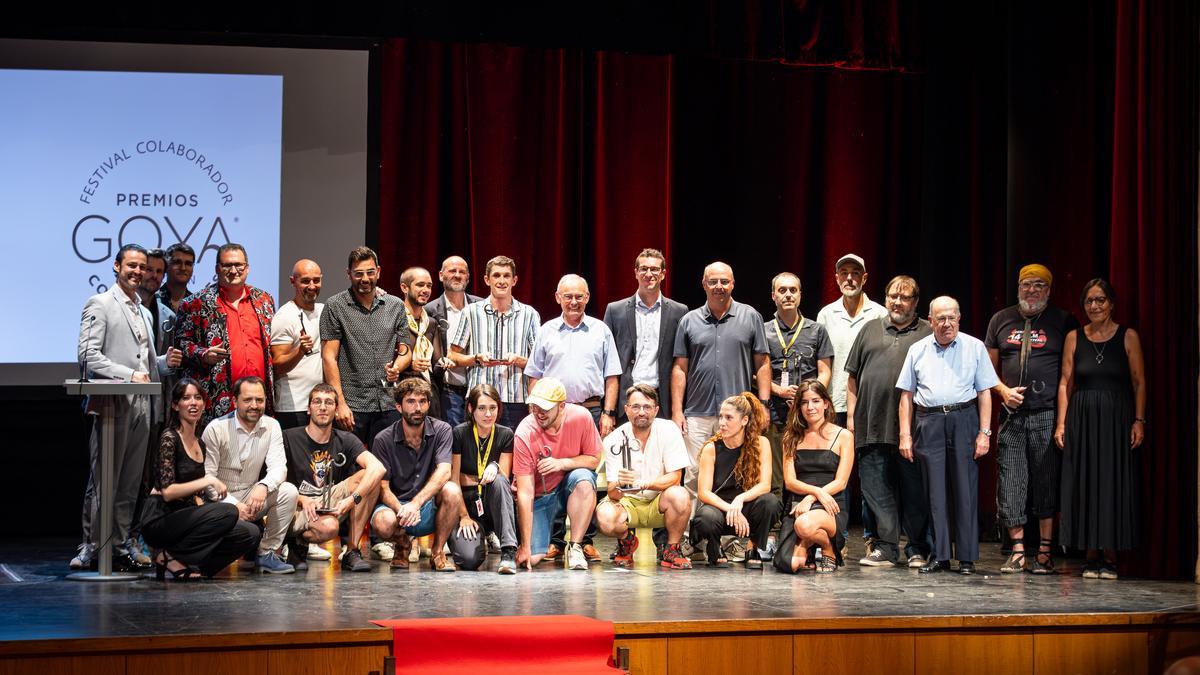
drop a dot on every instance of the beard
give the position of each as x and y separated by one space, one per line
901 319
1032 308
414 419
457 287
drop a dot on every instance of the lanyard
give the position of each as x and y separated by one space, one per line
786 347
481 457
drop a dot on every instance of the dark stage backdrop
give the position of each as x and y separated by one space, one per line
955 151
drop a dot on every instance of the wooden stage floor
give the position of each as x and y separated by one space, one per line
671 621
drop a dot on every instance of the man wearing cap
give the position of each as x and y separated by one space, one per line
556 450
944 380
843 319
1025 344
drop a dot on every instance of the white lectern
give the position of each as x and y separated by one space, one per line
105 390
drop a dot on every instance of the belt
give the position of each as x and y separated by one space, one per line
943 409
593 402
457 388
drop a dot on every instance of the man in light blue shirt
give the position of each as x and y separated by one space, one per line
941 381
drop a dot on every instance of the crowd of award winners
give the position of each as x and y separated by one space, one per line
385 425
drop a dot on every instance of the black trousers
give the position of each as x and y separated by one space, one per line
368 424
207 537
944 443
709 523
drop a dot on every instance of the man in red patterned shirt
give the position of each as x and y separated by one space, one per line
224 332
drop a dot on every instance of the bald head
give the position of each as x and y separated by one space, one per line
718 286
416 285
944 315
718 268
306 281
943 304
454 275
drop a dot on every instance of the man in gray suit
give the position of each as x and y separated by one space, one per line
116 341
447 309
644 326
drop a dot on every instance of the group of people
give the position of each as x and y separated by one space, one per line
377 419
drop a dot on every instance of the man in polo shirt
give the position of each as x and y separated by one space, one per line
872 402
942 378
556 450
447 309
800 350
417 497
361 331
578 351
720 350
645 484
1025 344
495 337
225 333
843 318
296 346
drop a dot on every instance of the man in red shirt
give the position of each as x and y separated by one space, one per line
224 332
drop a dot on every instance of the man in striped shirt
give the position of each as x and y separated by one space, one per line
494 339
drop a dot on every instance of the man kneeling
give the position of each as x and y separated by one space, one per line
418 498
318 456
644 483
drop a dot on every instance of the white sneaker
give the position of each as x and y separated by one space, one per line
493 544
384 550
315 552
916 560
576 560
83 557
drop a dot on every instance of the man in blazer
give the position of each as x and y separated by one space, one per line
116 341
446 309
655 318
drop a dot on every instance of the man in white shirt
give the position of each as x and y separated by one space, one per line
296 346
645 459
237 445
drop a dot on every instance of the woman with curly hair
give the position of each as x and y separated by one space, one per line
817 458
734 482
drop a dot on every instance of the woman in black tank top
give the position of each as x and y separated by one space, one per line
734 482
817 458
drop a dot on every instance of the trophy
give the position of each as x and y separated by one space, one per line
625 451
500 320
401 350
323 472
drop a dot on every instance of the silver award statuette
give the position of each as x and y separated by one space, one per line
323 472
625 451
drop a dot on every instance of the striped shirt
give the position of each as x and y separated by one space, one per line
482 330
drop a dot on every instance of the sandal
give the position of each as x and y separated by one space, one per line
1016 561
440 563
826 565
1044 563
403 548
162 567
721 563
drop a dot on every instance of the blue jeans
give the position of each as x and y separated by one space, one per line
895 490
549 505
558 534
426 525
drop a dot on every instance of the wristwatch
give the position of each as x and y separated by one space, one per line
986 432
356 497
610 413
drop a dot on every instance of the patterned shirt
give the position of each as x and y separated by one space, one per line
368 340
481 330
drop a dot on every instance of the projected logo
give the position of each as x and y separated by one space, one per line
178 194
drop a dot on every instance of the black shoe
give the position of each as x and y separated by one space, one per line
965 567
297 554
123 562
935 566
352 561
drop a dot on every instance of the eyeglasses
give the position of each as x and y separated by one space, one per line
901 298
945 320
1038 286
573 297
640 407
1095 301
233 267
645 269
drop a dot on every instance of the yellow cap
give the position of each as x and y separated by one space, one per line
1035 271
547 393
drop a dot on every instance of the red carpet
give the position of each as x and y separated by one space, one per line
503 644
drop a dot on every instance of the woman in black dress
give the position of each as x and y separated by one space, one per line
196 534
1101 420
818 456
734 482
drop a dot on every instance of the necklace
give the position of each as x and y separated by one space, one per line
1100 350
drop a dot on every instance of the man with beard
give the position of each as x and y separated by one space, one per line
224 332
244 450
447 309
181 262
319 456
494 339
843 318
800 350
296 346
556 450
872 402
944 380
720 351
418 498
645 487
1025 343
116 341
425 351
162 316
362 335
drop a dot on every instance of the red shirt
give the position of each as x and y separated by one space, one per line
245 338
577 436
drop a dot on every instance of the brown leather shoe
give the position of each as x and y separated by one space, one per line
553 553
403 546
440 563
591 553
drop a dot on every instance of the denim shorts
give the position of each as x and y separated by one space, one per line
549 505
423 527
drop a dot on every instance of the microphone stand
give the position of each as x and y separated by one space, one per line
83 365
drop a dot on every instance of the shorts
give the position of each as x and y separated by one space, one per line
549 505
642 513
338 493
425 526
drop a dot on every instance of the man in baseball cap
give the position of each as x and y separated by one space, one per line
555 454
